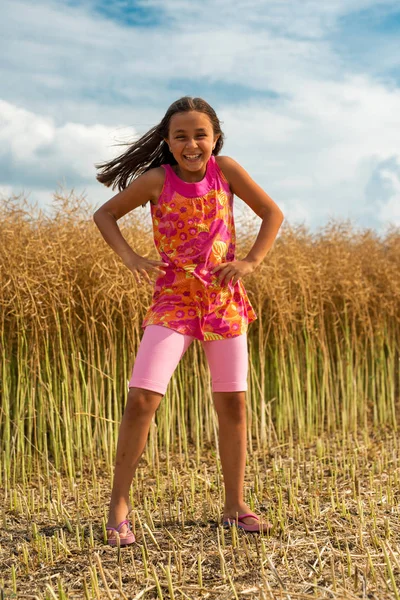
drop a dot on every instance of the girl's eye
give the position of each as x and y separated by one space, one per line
180 137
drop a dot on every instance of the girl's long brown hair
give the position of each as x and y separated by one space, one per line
151 150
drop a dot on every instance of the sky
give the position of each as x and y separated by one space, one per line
307 92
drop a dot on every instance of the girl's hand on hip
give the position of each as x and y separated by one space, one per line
141 266
233 271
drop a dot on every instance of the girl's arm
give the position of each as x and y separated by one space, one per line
145 187
243 186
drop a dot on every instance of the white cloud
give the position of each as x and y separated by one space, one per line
322 162
6 191
35 151
73 75
389 207
390 212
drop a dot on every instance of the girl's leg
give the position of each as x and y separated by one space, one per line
159 353
231 411
228 362
139 410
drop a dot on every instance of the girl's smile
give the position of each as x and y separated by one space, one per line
191 141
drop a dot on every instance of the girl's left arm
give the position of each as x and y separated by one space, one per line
243 186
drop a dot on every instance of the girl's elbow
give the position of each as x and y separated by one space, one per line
98 214
275 213
279 215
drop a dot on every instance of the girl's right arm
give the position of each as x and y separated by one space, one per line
146 187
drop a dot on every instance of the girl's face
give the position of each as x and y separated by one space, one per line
191 140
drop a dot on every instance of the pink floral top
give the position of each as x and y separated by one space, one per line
194 230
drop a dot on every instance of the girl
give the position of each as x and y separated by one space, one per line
198 292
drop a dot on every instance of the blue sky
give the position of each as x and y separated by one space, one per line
307 92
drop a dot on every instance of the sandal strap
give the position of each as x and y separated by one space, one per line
126 522
241 517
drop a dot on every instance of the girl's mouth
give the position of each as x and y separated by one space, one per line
192 158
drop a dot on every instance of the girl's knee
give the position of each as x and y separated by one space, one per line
141 403
230 405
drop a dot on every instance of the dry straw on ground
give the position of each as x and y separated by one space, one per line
323 399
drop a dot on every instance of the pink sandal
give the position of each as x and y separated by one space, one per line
129 538
254 527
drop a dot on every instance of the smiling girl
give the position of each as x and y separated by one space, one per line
198 292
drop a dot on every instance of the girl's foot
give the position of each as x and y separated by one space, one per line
124 540
242 509
116 515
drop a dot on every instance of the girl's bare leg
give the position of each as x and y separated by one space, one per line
133 432
231 410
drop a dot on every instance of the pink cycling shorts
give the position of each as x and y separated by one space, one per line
161 349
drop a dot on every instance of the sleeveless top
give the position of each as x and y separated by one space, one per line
194 231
